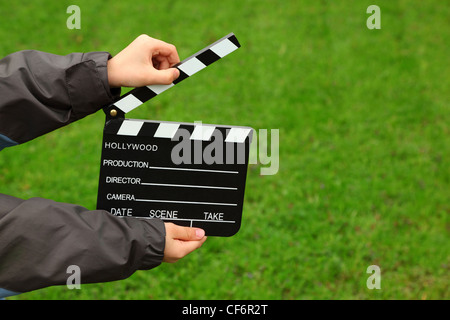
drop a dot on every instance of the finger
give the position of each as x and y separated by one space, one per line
187 247
164 64
186 233
166 76
160 63
158 47
183 248
166 50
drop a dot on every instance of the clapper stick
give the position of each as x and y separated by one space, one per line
191 174
187 68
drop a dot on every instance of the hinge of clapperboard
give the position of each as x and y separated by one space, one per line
187 68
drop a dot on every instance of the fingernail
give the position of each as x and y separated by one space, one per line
176 73
200 233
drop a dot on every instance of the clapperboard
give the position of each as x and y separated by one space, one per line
191 174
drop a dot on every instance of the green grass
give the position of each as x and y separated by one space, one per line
364 142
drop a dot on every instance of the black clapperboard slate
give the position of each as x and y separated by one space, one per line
191 174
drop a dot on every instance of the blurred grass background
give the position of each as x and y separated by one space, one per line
364 142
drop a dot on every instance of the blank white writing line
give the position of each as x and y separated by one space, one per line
200 220
186 186
190 202
189 169
191 220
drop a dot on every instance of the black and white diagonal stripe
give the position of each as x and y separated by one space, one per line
187 68
204 132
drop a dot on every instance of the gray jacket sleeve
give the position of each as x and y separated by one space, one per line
39 238
41 92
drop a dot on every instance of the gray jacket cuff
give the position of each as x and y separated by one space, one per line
41 238
87 84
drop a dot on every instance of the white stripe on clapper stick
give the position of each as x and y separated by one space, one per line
223 48
128 103
130 128
237 135
192 66
202 132
158 88
166 130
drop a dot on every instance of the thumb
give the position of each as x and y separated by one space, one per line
166 76
186 233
